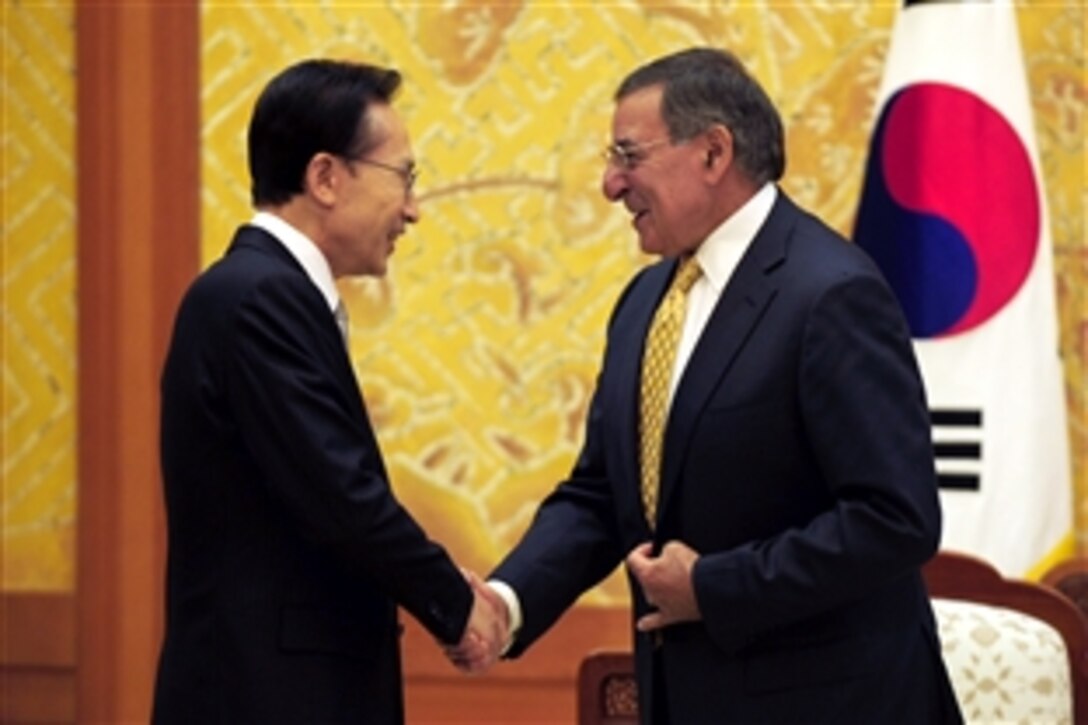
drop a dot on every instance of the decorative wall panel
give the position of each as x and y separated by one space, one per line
477 353
37 286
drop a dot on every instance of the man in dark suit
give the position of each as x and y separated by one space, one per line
288 553
775 526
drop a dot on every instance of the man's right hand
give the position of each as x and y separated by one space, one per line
486 632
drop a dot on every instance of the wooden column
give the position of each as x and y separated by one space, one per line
138 246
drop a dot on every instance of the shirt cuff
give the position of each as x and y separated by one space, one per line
513 608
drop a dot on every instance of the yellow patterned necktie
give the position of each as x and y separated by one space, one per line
657 364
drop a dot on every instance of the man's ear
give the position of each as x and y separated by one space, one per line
719 149
321 181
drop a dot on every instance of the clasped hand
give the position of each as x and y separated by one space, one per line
486 632
666 582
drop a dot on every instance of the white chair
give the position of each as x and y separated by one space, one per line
1015 650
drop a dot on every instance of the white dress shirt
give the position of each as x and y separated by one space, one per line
718 256
305 252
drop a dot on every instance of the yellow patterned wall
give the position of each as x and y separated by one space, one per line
478 351
37 288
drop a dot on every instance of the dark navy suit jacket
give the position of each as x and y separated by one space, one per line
798 462
287 551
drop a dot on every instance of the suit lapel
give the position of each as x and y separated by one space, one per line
252 237
749 291
255 238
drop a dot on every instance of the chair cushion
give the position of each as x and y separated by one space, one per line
1005 665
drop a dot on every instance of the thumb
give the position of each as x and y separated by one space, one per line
640 556
650 622
469 575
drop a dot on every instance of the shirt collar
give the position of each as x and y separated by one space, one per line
721 252
304 251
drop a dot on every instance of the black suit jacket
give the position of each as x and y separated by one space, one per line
288 552
797 460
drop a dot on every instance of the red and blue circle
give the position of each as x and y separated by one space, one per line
950 208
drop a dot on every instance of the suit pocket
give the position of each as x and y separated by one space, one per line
808 665
322 630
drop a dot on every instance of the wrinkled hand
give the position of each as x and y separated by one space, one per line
666 583
486 632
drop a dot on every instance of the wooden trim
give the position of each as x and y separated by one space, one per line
37 657
37 695
37 629
138 246
556 656
539 686
608 689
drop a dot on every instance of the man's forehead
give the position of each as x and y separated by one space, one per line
637 113
387 129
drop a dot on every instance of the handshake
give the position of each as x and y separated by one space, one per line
667 584
487 631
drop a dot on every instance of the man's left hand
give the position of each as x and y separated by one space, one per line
666 583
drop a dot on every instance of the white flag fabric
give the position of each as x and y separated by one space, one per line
954 213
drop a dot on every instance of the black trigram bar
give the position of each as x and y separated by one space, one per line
963 451
957 450
956 418
958 481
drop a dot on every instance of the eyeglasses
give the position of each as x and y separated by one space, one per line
627 154
408 174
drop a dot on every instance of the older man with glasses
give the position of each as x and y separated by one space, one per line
758 447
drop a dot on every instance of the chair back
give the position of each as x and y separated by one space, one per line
1015 650
1070 577
607 689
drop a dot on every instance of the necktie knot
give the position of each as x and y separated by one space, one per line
687 274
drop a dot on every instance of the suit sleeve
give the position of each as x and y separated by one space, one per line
863 409
571 545
301 416
574 540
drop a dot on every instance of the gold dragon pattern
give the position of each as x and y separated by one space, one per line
477 353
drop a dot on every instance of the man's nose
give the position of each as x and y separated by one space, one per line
411 209
613 182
